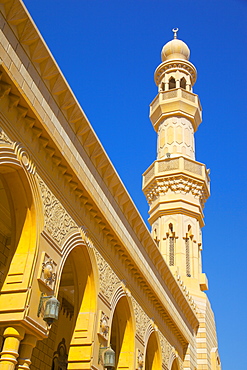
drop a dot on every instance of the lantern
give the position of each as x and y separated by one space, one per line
51 310
109 359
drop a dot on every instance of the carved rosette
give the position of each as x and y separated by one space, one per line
58 223
48 271
139 360
107 278
142 319
104 325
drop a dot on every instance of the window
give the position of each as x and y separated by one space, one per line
172 83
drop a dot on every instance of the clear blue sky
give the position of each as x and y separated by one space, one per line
108 51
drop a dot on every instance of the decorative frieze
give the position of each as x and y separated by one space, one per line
108 280
142 319
192 167
168 165
176 184
166 350
57 222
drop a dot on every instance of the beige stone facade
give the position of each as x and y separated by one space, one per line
69 229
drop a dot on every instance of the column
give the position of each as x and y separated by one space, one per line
9 354
26 349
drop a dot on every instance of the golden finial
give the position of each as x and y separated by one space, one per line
175 30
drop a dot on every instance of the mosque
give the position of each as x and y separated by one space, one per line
84 283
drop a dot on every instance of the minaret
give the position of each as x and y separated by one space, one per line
176 185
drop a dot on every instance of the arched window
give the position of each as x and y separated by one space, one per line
172 83
183 83
171 246
187 252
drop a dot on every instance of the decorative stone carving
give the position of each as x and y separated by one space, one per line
104 325
125 289
149 174
139 360
58 223
107 278
24 158
193 167
188 96
177 184
86 237
4 138
169 94
173 164
48 271
166 350
142 319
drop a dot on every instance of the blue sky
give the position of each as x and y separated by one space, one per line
108 51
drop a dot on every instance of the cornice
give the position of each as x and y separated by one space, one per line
175 64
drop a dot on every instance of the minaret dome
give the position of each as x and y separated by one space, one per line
175 49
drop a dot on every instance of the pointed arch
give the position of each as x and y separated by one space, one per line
21 202
183 83
79 268
172 83
76 291
122 336
153 358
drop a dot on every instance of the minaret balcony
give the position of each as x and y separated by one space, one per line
176 185
176 102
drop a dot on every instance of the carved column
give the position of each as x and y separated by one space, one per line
9 354
26 350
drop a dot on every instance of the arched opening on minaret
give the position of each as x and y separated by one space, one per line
183 83
171 246
172 83
187 252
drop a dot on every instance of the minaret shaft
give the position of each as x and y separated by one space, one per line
176 137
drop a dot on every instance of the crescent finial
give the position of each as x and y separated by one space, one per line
175 30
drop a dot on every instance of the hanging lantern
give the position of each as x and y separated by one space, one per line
109 359
51 310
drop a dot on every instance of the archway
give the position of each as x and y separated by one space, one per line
18 228
6 229
69 343
175 365
122 335
152 356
